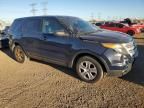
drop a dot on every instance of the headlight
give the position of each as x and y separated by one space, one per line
117 47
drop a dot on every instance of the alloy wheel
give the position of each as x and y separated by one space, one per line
88 70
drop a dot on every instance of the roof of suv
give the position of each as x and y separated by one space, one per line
45 17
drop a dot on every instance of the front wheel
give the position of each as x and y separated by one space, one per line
19 54
89 70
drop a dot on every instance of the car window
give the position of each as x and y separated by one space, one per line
98 24
31 26
78 26
119 25
111 25
52 26
16 28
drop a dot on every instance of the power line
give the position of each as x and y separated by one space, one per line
45 9
33 10
92 16
99 16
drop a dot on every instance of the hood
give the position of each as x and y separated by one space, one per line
106 36
138 25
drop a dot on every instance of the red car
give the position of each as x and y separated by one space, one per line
139 26
121 28
133 24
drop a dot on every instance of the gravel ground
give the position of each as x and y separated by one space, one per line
41 85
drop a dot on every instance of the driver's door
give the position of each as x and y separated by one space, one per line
55 42
120 28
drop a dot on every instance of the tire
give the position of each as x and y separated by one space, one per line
89 70
131 33
142 30
19 54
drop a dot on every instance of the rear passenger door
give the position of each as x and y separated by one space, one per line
31 35
120 27
111 27
115 27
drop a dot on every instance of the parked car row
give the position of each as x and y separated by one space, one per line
74 43
121 28
125 26
133 24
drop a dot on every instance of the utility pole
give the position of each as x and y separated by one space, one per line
99 16
33 10
92 16
45 10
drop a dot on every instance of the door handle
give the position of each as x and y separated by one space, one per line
44 37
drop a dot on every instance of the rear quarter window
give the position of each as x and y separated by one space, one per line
16 28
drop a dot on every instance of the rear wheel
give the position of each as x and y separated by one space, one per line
89 70
19 54
131 33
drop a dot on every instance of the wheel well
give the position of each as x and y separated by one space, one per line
131 31
16 43
86 54
13 45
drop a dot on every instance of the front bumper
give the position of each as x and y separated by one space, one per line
119 73
142 30
114 64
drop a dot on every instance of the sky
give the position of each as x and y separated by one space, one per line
86 9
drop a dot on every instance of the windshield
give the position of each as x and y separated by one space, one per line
78 26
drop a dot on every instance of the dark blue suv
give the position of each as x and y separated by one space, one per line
74 43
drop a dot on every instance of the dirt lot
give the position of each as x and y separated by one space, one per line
42 85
